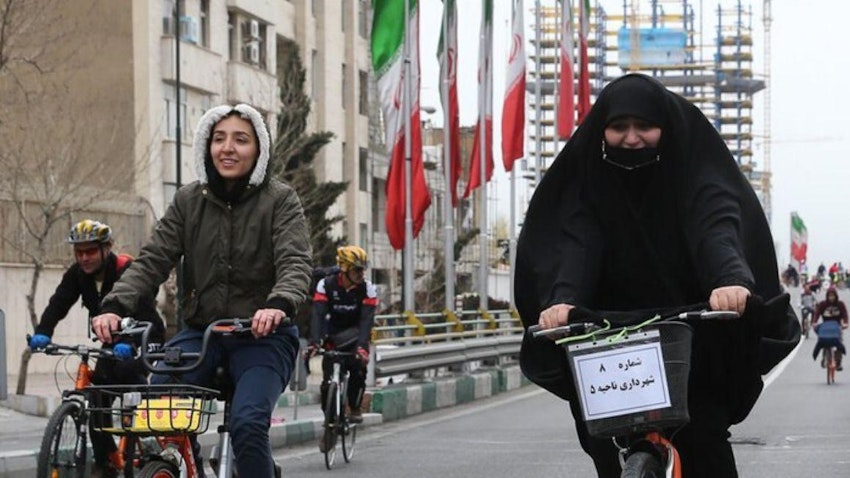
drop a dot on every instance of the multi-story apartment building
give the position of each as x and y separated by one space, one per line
121 67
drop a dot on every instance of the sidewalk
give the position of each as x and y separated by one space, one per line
21 433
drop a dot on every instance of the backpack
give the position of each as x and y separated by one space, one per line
318 274
122 262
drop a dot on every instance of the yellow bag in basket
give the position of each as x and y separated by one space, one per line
169 414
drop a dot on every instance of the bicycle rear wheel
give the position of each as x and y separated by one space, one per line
59 456
642 465
349 436
830 365
330 427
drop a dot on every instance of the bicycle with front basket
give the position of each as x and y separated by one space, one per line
337 425
646 367
63 450
172 413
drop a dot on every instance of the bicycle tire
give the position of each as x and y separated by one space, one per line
642 464
159 469
349 437
56 457
330 429
830 365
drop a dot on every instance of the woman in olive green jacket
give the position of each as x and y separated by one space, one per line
246 251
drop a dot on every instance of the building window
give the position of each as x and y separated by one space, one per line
170 120
363 85
254 43
363 240
363 169
379 205
362 20
344 86
204 16
231 36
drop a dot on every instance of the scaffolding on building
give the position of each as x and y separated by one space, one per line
710 66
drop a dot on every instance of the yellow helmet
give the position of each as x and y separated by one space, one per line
351 256
90 231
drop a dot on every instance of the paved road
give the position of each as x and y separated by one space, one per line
799 428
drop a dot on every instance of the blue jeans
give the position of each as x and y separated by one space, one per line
260 370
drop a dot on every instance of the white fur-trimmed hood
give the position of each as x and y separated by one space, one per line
202 137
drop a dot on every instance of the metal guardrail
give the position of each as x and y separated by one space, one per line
408 343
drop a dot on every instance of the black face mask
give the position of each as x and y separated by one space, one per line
629 159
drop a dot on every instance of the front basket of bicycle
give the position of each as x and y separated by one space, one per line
168 409
631 382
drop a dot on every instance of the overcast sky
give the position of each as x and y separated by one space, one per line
810 157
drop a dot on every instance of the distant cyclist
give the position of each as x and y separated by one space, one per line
834 315
808 302
343 314
91 277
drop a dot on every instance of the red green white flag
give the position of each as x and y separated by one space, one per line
485 104
388 33
799 240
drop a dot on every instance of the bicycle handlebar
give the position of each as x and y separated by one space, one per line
685 313
169 358
54 348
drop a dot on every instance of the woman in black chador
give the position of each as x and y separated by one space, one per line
645 208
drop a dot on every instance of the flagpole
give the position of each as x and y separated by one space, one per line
555 87
408 170
482 150
538 163
512 228
448 220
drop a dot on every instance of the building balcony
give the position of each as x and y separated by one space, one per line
251 85
200 69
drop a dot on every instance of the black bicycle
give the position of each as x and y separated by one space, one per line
337 426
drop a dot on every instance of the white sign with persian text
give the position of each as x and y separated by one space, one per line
620 381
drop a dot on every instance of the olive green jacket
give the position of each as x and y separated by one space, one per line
237 258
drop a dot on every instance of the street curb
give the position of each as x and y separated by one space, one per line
394 402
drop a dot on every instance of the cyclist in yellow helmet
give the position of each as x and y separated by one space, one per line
344 307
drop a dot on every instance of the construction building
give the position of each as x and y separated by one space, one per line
703 53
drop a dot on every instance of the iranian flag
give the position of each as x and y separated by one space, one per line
583 70
513 112
388 31
566 84
799 240
485 104
447 55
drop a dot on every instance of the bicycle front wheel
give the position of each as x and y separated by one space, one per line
642 465
159 469
63 448
349 436
330 428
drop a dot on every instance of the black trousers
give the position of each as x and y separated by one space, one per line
703 444
356 379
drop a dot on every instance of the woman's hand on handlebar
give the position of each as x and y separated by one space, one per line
104 325
265 321
731 298
555 316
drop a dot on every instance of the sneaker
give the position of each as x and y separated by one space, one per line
839 368
356 415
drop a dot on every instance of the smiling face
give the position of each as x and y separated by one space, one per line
234 148
632 133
